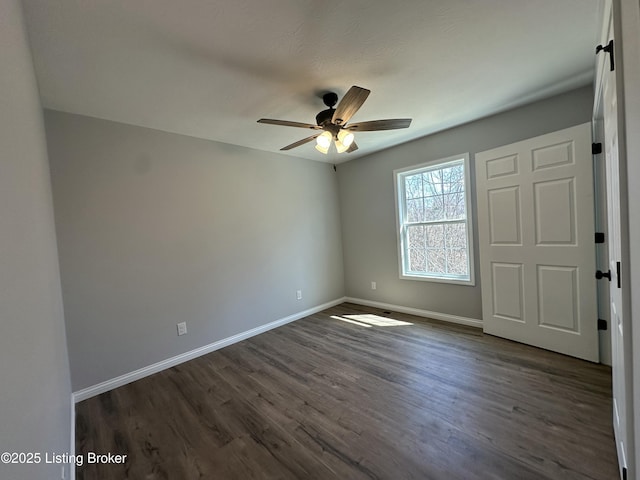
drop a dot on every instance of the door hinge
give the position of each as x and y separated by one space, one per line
609 49
617 273
596 148
599 237
602 324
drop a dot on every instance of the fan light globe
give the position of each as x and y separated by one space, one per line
346 138
341 147
322 149
324 141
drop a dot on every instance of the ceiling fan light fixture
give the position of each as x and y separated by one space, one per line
332 123
324 141
346 138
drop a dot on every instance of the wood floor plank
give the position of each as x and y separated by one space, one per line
327 398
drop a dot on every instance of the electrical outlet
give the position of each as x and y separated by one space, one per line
374 285
182 328
299 294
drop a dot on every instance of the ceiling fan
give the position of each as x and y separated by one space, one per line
333 122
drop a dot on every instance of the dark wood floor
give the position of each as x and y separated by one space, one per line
323 398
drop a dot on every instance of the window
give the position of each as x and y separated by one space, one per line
435 240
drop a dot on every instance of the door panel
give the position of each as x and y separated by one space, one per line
504 216
553 156
555 206
558 297
537 255
498 167
508 281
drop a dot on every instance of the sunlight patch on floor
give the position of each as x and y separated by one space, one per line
369 320
343 319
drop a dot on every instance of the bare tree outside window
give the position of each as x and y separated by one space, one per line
433 221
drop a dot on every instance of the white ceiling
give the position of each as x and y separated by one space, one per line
211 68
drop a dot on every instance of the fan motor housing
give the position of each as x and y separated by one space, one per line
325 116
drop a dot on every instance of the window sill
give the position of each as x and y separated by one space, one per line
453 281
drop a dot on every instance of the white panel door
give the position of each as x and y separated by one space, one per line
607 107
537 253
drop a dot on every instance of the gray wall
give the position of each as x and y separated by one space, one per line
157 228
35 393
368 210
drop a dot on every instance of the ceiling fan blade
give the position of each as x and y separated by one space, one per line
350 104
373 125
301 142
287 123
352 148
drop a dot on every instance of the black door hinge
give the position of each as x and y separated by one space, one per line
617 273
602 324
609 49
599 237
596 148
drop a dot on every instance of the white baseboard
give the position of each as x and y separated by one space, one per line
107 385
445 317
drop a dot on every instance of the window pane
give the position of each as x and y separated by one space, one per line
456 234
416 260
433 208
453 179
436 261
432 183
454 206
435 236
415 210
416 237
457 262
413 186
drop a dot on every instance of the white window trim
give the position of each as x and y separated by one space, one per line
399 201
